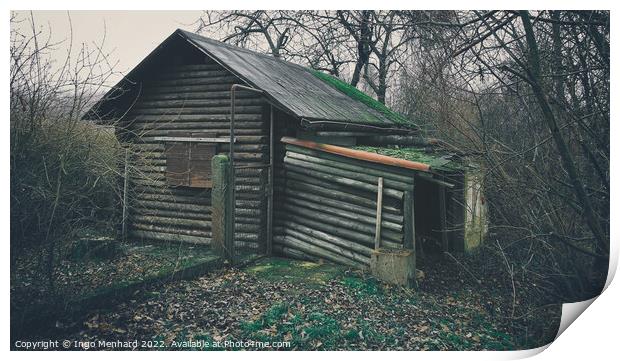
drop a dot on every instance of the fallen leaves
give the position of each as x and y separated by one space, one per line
74 279
347 310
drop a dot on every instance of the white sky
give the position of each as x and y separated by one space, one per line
130 35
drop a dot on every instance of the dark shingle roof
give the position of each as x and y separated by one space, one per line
293 87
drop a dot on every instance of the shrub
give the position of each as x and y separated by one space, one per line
62 179
64 171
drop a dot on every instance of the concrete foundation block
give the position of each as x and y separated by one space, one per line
395 266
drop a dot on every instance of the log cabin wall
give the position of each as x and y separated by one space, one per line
190 95
328 201
322 210
325 206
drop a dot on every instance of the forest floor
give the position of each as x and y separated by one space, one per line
296 305
89 274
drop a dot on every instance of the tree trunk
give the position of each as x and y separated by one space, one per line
602 245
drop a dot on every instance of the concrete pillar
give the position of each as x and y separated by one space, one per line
221 220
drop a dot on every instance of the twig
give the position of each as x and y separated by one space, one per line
465 268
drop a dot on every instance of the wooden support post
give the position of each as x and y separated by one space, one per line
409 219
125 189
409 241
379 209
398 267
442 217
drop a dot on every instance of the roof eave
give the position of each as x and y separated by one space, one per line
338 124
94 114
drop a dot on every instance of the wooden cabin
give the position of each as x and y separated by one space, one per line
308 151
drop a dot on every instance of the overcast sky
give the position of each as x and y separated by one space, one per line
131 35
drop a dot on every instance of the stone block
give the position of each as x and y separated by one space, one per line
395 266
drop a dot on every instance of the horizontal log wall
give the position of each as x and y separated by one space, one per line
194 98
325 206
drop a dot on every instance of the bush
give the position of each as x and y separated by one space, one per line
64 171
64 177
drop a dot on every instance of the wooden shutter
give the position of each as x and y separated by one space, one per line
189 164
200 155
177 163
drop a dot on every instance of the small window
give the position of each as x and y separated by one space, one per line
188 164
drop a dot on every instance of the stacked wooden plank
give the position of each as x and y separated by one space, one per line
194 98
326 206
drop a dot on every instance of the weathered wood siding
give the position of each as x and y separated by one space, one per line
326 206
194 98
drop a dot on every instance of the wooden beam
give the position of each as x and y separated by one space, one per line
342 223
316 251
338 192
359 175
315 204
343 134
196 140
436 181
409 214
379 208
358 154
342 251
327 237
442 216
343 181
363 238
346 164
298 190
222 225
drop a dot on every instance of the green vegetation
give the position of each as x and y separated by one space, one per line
349 310
283 322
437 161
312 274
360 96
310 330
363 287
346 310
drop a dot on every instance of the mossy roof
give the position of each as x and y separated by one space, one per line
298 90
360 96
438 160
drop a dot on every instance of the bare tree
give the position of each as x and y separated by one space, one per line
526 94
353 45
63 170
249 28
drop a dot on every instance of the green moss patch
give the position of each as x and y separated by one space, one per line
309 273
364 98
437 160
363 286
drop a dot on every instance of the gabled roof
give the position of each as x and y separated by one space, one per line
296 89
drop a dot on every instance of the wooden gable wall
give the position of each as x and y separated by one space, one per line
187 93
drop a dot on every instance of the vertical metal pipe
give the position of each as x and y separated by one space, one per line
270 199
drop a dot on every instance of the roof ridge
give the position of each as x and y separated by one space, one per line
292 87
238 48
